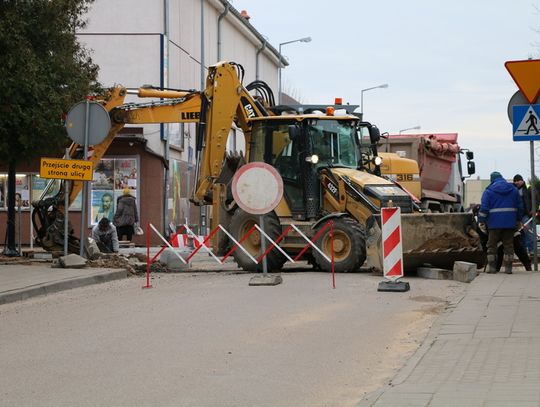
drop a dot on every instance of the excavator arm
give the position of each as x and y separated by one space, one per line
223 101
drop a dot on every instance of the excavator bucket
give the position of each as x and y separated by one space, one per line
429 239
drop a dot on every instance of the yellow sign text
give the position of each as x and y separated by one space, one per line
80 170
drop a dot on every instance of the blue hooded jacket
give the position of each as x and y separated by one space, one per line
501 207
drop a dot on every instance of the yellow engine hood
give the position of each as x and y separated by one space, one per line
359 177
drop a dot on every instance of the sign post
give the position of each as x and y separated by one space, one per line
87 123
257 188
66 212
525 119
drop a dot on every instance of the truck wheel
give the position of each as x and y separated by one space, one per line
241 223
349 246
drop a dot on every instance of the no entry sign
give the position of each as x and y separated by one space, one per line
257 188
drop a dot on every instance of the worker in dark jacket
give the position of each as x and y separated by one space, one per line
501 211
519 249
526 194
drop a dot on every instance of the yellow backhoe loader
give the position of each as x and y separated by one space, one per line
329 167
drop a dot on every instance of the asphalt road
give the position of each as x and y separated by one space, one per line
209 339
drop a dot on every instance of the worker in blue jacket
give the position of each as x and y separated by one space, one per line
501 210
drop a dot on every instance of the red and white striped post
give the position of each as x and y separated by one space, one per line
392 250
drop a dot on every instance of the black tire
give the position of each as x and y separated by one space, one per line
241 222
349 246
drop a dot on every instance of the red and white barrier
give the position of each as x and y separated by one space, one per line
391 241
180 241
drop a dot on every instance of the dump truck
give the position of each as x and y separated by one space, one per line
328 163
438 180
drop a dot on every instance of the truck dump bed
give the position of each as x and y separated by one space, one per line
435 154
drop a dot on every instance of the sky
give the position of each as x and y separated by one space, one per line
443 62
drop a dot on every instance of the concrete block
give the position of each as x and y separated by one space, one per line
434 273
464 271
92 249
265 279
72 261
42 255
170 260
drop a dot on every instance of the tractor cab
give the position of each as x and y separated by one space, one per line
300 147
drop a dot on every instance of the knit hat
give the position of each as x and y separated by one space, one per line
518 177
127 191
494 175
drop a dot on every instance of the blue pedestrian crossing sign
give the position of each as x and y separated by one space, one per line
526 122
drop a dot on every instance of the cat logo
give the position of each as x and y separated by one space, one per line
249 110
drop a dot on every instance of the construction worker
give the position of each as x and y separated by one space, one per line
501 211
526 194
519 249
104 233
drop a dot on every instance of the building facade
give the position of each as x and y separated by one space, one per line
167 44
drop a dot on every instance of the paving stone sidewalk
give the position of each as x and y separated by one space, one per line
485 351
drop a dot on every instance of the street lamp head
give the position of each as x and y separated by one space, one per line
384 85
304 39
410 128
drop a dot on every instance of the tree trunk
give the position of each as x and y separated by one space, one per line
10 248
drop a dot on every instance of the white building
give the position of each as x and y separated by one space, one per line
169 44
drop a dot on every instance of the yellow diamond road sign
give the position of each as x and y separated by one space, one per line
79 170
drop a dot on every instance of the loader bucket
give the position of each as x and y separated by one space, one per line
432 239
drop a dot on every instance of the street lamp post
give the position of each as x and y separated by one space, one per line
384 85
410 128
305 39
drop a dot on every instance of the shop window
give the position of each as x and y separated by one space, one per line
30 187
22 191
111 177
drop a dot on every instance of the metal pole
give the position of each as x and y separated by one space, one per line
85 183
19 226
534 207
31 234
66 210
203 212
362 103
279 76
263 247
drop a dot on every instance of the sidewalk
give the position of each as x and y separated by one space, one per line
483 352
22 281
29 278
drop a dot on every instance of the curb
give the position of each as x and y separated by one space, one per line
61 285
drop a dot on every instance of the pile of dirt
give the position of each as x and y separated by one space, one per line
450 241
114 261
7 260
